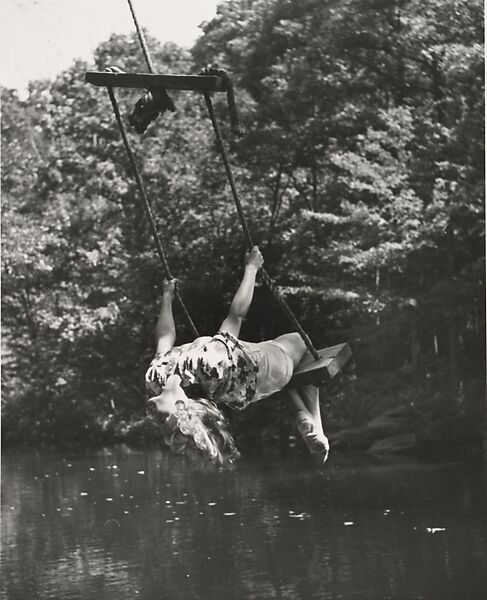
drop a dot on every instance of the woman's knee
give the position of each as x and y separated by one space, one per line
293 344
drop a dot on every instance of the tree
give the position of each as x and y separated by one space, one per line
365 124
361 173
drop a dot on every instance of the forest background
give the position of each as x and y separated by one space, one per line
362 175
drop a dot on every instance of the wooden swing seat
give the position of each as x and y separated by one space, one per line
319 372
200 83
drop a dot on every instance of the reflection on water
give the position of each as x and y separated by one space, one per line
126 523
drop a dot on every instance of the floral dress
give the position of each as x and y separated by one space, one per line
220 365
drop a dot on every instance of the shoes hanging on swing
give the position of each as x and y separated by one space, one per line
154 102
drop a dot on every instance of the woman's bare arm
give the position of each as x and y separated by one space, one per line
243 296
165 328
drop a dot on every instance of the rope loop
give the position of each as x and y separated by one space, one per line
232 106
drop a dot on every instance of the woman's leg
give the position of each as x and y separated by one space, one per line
306 399
295 401
293 346
305 403
311 398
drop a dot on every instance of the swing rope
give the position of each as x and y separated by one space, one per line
140 33
221 147
147 208
245 228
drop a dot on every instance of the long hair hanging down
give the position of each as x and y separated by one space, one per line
199 426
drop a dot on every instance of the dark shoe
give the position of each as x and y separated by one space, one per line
154 102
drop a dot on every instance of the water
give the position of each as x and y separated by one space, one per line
132 524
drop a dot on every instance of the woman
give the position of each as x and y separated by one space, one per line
189 381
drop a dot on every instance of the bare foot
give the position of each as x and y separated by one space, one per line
313 436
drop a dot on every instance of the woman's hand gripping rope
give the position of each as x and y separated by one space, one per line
169 288
254 258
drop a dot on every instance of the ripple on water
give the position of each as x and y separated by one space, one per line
270 528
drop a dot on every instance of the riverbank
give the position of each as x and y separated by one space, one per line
379 438
377 413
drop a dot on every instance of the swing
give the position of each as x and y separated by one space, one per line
197 83
317 366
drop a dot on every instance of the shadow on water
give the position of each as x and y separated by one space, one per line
125 523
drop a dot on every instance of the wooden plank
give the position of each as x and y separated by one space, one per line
200 83
318 372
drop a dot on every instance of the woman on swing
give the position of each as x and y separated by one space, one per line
189 381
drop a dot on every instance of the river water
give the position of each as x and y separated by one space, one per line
121 523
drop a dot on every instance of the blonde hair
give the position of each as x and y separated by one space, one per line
199 426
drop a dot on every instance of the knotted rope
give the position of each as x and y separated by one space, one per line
232 106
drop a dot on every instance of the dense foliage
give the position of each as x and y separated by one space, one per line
362 176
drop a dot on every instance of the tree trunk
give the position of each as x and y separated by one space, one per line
276 205
453 356
415 345
435 345
29 317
